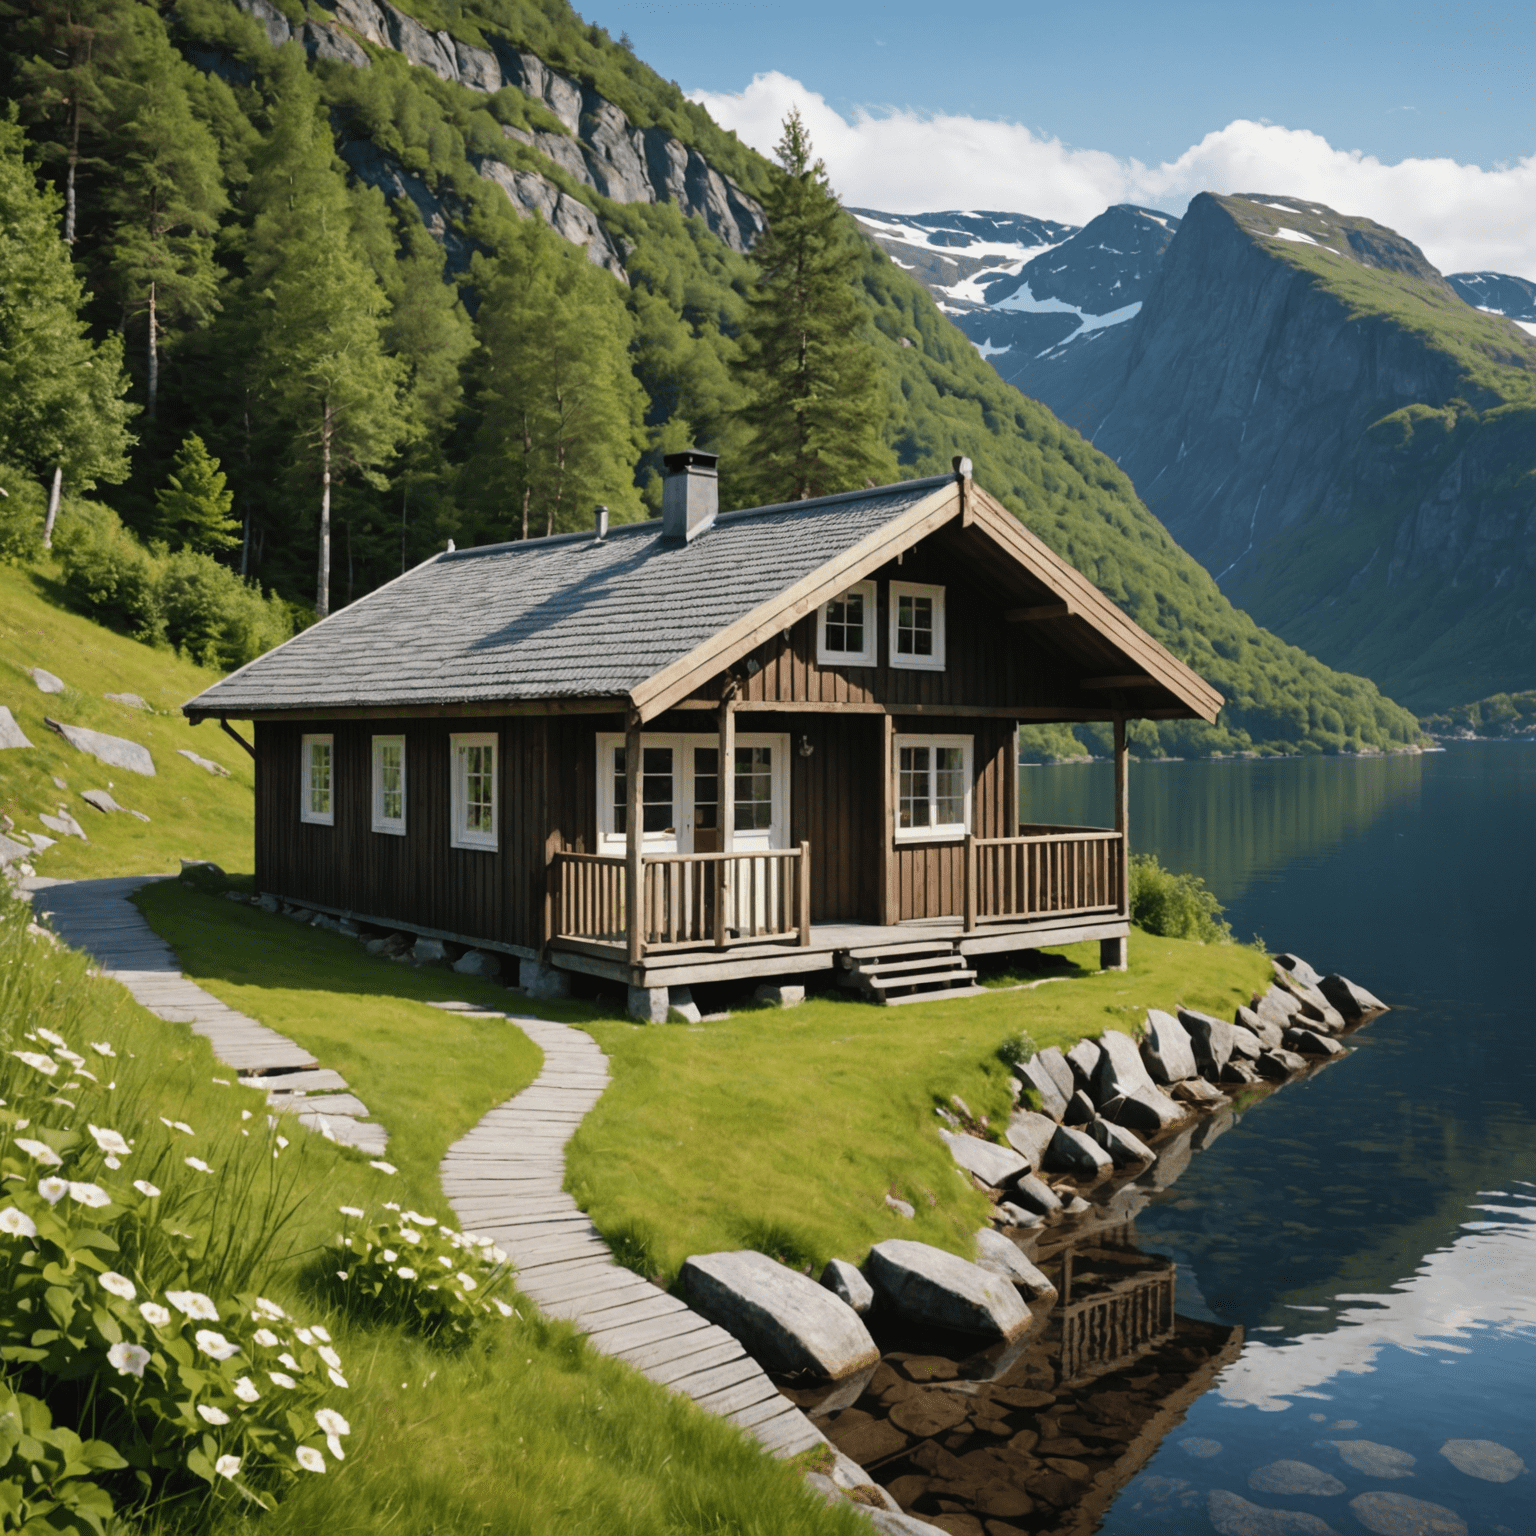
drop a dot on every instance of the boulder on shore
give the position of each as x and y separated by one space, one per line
1166 1049
1245 1043
848 1285
1353 1001
1081 1110
1123 1147
1029 1135
1083 1059
995 1252
782 1318
1294 965
1036 1195
992 1164
1211 1039
1312 1042
1075 1152
1148 1111
1195 1090
1281 1063
1267 1031
922 1284
1120 1069
1033 1074
1310 1003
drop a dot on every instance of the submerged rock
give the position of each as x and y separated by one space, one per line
1233 1515
926 1285
995 1252
1485 1459
783 1318
1375 1459
1395 1514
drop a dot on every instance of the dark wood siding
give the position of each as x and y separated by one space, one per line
418 879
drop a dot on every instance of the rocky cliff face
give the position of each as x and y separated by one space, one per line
600 148
1330 446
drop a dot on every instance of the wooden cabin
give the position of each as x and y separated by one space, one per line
518 747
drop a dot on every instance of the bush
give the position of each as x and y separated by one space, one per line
22 510
1175 906
1016 1049
107 572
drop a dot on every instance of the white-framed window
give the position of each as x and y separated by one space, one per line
389 784
917 626
475 820
317 776
933 787
680 792
846 629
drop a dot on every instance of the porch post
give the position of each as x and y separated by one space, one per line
1013 812
634 813
1112 952
888 904
725 814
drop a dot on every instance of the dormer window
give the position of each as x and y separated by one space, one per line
917 626
845 630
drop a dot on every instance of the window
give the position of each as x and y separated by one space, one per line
845 628
474 791
917 626
317 768
933 788
680 793
389 784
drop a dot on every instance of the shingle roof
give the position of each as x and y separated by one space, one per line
565 617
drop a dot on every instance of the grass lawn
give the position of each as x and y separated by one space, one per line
785 1129
527 1431
193 814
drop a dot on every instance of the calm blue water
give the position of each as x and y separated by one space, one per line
1373 1228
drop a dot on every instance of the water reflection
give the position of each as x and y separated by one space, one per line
1233 821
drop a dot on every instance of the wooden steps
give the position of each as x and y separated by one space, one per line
909 973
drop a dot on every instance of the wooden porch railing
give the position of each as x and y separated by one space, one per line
1043 872
685 898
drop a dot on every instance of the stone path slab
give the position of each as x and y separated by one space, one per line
99 917
504 1179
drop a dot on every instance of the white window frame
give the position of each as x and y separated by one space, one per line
462 836
935 662
869 656
949 832
680 840
307 811
394 825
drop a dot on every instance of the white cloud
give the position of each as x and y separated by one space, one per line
1464 217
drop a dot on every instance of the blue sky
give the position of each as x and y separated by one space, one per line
1418 116
1148 79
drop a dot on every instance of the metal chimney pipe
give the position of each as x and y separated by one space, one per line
690 494
601 516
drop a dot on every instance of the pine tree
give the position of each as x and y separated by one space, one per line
165 195
816 405
194 505
319 312
561 410
61 406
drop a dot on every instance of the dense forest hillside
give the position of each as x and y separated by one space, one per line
537 254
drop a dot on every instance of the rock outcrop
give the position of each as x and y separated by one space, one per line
925 1285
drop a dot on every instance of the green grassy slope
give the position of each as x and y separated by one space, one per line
192 813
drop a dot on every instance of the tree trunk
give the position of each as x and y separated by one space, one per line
154 354
245 543
323 582
527 471
74 158
53 506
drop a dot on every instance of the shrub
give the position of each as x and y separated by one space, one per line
214 617
413 1272
1175 906
22 510
107 572
1019 1048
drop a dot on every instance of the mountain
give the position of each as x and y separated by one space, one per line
1342 435
463 132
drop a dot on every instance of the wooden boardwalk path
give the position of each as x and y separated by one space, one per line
98 917
504 1181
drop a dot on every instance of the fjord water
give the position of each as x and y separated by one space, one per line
1373 1227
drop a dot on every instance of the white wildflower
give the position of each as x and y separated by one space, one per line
215 1345
303 1335
417 1219
409 1235
389 1255
118 1285
70 1057
266 1338
114 1163
245 1114
128 1359
227 1466
321 1334
337 1378
16 1223
309 1458
282 1380
245 1390
282 1141
154 1314
350 1210
35 1059
194 1304
391 1205
331 1422
52 1190
198 1164
333 1445
223 1082
270 1309
92 1195
467 1281
341 1274
39 1152
290 1362
211 1415
330 1356
383 1167
501 1306
47 1034
406 1273
84 1072
102 1048
445 1261
146 1189
109 1140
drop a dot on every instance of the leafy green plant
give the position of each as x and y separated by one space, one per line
46 1472
1175 906
1016 1049
410 1270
